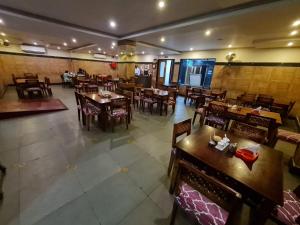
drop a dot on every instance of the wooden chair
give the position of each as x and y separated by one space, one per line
171 100
137 97
293 138
188 92
200 110
33 88
196 92
19 88
88 110
148 99
264 101
247 100
247 131
48 86
118 111
30 76
107 84
91 88
205 199
77 97
261 121
216 115
183 127
289 213
129 95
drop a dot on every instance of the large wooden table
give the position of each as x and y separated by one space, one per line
260 183
160 95
245 110
102 102
23 80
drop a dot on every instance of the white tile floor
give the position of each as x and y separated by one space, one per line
60 173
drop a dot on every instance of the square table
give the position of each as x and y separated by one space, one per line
260 183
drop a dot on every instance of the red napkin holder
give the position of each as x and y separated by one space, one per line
246 155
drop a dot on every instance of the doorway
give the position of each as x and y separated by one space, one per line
165 70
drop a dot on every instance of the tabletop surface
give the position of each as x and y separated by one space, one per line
245 110
23 80
264 176
96 97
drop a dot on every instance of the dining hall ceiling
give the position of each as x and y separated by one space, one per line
182 24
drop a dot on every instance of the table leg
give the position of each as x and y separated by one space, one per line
160 106
260 214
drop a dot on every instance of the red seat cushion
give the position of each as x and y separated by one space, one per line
200 110
199 206
118 113
216 120
288 136
290 211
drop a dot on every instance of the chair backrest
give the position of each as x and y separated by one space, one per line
200 102
129 95
148 93
247 131
217 109
210 187
206 91
32 83
291 105
119 103
257 120
172 93
264 101
183 127
197 91
47 81
82 100
30 76
91 89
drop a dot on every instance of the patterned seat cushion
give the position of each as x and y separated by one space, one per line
149 100
118 113
199 206
92 109
290 211
200 110
288 136
215 120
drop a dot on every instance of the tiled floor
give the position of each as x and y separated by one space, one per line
59 173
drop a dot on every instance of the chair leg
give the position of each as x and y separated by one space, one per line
174 212
171 162
78 111
195 115
88 122
173 108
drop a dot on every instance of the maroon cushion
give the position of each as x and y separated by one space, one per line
199 206
216 120
118 113
290 211
288 136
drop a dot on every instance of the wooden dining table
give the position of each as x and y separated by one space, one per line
160 95
23 80
102 102
259 183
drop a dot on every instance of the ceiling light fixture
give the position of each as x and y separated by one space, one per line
104 52
112 47
143 52
207 32
113 43
117 55
162 39
294 32
161 53
65 44
74 40
121 53
131 53
290 44
191 49
47 45
99 49
229 46
58 47
296 23
90 51
161 4
3 34
6 40
1 21
35 43
112 24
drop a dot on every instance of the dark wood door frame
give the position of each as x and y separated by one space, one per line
158 70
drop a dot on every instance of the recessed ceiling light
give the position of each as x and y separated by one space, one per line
74 40
104 52
131 53
1 21
296 23
99 49
161 53
162 39
47 45
290 44
90 51
3 34
58 47
121 53
112 47
161 4
143 52
113 43
65 44
207 32
112 24
294 32
117 55
35 43
229 46
191 49
6 40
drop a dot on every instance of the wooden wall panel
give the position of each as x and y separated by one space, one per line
283 83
